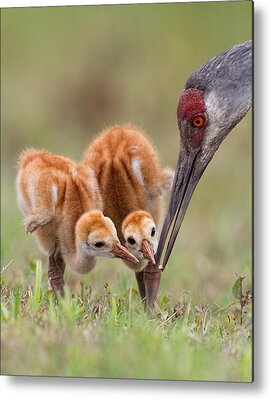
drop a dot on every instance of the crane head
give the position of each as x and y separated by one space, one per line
216 97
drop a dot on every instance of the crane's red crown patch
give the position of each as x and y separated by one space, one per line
190 103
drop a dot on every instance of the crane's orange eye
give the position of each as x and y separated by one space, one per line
198 121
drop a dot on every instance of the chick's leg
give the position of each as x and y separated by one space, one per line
56 273
140 284
151 276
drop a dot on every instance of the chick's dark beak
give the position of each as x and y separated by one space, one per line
120 251
147 251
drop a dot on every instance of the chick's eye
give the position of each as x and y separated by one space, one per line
198 121
99 244
131 240
153 231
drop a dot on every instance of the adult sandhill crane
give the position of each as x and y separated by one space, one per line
132 182
216 97
61 203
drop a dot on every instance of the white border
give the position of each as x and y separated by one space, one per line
68 389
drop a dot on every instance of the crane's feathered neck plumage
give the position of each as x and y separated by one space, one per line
224 69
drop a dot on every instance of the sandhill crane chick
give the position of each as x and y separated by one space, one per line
62 204
139 232
131 182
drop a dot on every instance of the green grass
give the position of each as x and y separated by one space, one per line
109 335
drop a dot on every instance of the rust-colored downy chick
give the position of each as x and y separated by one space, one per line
140 238
131 183
62 204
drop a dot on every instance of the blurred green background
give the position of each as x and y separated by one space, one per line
68 72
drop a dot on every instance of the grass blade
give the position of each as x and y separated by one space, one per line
37 291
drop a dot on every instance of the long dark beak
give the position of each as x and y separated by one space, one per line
120 251
189 169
